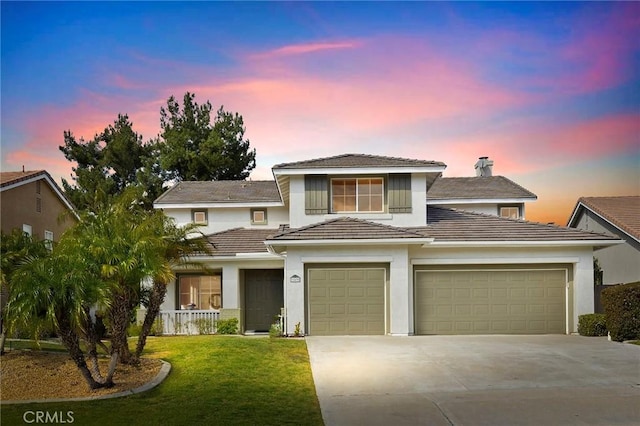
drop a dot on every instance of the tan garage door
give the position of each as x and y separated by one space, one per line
490 302
346 301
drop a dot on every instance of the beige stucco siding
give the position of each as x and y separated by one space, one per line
19 206
619 263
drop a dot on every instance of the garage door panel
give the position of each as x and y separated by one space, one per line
490 302
353 301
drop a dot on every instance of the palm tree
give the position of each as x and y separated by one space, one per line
178 245
15 248
59 290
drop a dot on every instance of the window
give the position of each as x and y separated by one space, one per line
258 216
200 291
48 239
27 229
199 217
357 195
37 187
511 212
39 205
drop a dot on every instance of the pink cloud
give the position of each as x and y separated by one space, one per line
305 48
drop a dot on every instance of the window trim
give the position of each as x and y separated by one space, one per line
206 216
264 221
357 179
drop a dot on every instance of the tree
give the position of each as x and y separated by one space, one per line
178 245
109 163
59 290
16 248
194 149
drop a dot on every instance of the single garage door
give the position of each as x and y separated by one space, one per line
490 302
346 301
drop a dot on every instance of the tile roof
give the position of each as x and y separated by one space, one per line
224 191
8 178
486 187
346 228
623 212
451 225
358 160
238 240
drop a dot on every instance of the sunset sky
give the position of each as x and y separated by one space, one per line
549 91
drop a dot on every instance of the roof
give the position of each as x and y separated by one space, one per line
357 160
474 188
238 240
9 180
346 228
223 191
622 212
447 227
451 225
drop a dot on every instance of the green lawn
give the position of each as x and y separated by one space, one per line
214 380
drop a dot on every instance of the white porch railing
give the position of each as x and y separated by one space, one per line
189 321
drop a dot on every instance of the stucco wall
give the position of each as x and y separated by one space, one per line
221 219
18 207
619 263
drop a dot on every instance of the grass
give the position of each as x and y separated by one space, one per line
220 380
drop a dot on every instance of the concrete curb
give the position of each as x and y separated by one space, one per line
162 374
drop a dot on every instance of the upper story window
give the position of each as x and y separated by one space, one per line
357 195
48 239
27 229
199 217
511 212
259 216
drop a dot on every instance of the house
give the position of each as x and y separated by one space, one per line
33 202
354 245
618 216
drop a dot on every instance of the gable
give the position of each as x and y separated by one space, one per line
621 213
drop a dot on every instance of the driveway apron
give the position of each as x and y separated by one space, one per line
476 380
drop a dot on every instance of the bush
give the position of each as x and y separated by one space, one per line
275 330
205 325
592 325
228 326
621 305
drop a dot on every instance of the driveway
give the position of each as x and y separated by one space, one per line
476 380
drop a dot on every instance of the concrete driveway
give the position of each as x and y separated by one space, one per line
476 380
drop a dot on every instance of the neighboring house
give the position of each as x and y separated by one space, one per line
353 244
618 216
33 202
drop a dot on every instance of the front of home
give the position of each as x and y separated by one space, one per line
370 245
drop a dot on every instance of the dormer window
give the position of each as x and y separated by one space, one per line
357 195
258 216
510 212
199 217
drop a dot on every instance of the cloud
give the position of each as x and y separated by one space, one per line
305 48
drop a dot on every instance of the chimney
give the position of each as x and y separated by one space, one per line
484 167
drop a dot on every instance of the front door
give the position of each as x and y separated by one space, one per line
263 297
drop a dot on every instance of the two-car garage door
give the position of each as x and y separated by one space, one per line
490 301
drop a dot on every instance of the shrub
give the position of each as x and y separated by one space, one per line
621 305
134 329
228 326
275 330
205 325
592 325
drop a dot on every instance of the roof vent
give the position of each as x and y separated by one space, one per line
484 167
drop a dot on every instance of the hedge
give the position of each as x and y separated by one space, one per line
621 305
592 325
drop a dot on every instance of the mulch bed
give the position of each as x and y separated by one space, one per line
26 375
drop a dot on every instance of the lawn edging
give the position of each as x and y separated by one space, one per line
159 378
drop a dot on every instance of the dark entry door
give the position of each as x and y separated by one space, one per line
263 297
